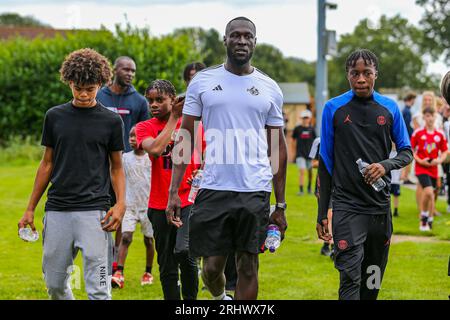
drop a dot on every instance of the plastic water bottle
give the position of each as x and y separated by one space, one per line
377 185
195 186
273 238
28 235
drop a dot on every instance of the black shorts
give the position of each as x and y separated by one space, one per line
395 189
426 181
222 222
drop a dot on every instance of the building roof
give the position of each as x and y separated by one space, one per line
295 92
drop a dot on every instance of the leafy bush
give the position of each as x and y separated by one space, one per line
29 81
21 151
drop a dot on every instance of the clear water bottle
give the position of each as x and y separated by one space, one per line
273 238
377 185
195 186
28 235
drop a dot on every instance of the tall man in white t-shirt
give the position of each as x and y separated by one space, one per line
241 112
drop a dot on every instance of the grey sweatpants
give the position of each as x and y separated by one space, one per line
65 233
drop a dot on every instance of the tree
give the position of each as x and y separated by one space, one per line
436 24
16 20
266 57
398 47
271 61
207 42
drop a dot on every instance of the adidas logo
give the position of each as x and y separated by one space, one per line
218 88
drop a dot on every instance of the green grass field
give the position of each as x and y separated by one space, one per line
416 270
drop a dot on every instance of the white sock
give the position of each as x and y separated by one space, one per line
430 219
425 213
220 297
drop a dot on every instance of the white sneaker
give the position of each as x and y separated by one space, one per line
424 228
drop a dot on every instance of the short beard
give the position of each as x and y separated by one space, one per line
121 83
238 62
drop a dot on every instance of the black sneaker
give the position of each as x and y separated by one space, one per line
395 213
325 251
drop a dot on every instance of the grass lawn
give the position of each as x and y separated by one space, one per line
416 270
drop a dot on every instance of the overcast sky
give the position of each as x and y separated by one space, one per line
290 25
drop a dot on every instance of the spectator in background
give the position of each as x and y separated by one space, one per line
428 101
430 150
122 98
304 136
409 101
191 69
137 167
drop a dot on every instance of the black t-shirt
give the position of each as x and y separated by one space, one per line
81 139
305 137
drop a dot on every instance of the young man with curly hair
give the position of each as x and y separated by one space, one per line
83 151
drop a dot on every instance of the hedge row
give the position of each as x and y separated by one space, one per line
29 77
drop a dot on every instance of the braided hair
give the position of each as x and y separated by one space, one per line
162 87
368 56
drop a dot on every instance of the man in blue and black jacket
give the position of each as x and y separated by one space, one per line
361 123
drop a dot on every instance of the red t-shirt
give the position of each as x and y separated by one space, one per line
428 145
162 166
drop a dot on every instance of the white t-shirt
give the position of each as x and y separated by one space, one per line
137 175
395 174
235 110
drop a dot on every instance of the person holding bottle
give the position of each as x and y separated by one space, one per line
359 124
241 108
